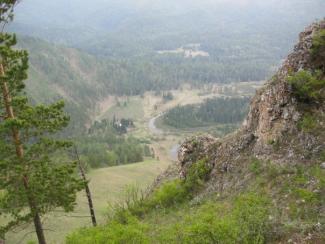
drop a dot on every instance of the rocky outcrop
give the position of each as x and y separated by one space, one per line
273 110
193 150
270 129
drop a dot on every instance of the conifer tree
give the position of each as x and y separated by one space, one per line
32 180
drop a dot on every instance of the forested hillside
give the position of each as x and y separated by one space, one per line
263 183
82 80
129 28
130 47
211 111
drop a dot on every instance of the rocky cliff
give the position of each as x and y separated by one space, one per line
271 129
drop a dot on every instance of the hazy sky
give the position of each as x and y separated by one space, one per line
147 3
143 3
45 13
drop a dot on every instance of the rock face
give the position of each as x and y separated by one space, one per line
270 130
273 110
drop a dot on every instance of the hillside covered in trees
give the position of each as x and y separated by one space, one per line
262 184
110 54
212 111
83 83
85 79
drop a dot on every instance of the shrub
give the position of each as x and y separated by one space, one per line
307 87
169 194
308 123
178 191
246 221
318 49
256 166
307 196
115 232
197 174
304 200
305 204
251 212
207 230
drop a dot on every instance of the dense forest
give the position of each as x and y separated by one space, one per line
212 111
132 76
107 144
110 54
85 79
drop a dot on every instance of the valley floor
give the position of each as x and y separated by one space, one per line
109 184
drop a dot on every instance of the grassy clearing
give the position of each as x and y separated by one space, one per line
107 185
130 108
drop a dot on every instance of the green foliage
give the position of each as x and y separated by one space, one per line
255 166
130 231
322 155
138 204
296 188
318 173
318 49
31 181
107 144
288 201
207 224
86 79
31 242
304 200
108 153
308 123
212 111
6 10
245 221
178 191
167 195
308 87
306 195
196 176
251 212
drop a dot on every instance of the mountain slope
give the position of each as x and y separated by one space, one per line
83 80
274 128
262 184
236 28
58 72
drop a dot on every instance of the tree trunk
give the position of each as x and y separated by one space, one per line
39 229
20 154
87 190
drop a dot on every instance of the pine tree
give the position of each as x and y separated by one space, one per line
32 181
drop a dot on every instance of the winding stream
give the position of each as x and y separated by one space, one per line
152 126
173 152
